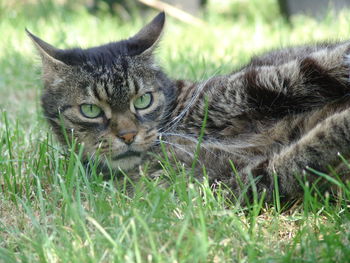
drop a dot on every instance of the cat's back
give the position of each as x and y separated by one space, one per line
280 83
281 56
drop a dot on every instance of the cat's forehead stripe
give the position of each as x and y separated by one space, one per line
110 89
100 92
137 86
131 85
96 94
90 91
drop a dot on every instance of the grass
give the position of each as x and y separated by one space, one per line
50 211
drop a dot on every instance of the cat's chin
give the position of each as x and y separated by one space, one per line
118 163
125 164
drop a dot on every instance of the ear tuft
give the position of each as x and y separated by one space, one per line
44 48
145 41
53 67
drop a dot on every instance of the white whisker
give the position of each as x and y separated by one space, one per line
179 117
231 146
177 146
194 140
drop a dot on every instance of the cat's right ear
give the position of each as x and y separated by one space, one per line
53 70
48 53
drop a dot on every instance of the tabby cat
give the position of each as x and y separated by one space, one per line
283 112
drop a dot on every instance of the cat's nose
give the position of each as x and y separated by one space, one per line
127 136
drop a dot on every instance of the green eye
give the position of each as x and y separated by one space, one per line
90 110
143 102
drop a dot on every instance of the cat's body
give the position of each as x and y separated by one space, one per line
274 118
283 112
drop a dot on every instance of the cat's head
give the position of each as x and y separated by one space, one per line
111 98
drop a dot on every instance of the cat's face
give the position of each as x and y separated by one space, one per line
110 98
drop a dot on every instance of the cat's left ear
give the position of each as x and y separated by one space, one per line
145 41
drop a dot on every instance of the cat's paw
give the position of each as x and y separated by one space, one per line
258 179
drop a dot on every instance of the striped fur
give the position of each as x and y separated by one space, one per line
288 109
283 112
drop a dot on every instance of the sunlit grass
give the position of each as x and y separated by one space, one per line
52 211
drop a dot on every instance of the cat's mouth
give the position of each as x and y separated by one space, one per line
126 155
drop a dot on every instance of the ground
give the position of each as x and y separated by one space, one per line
51 212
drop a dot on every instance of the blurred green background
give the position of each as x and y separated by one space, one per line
51 212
